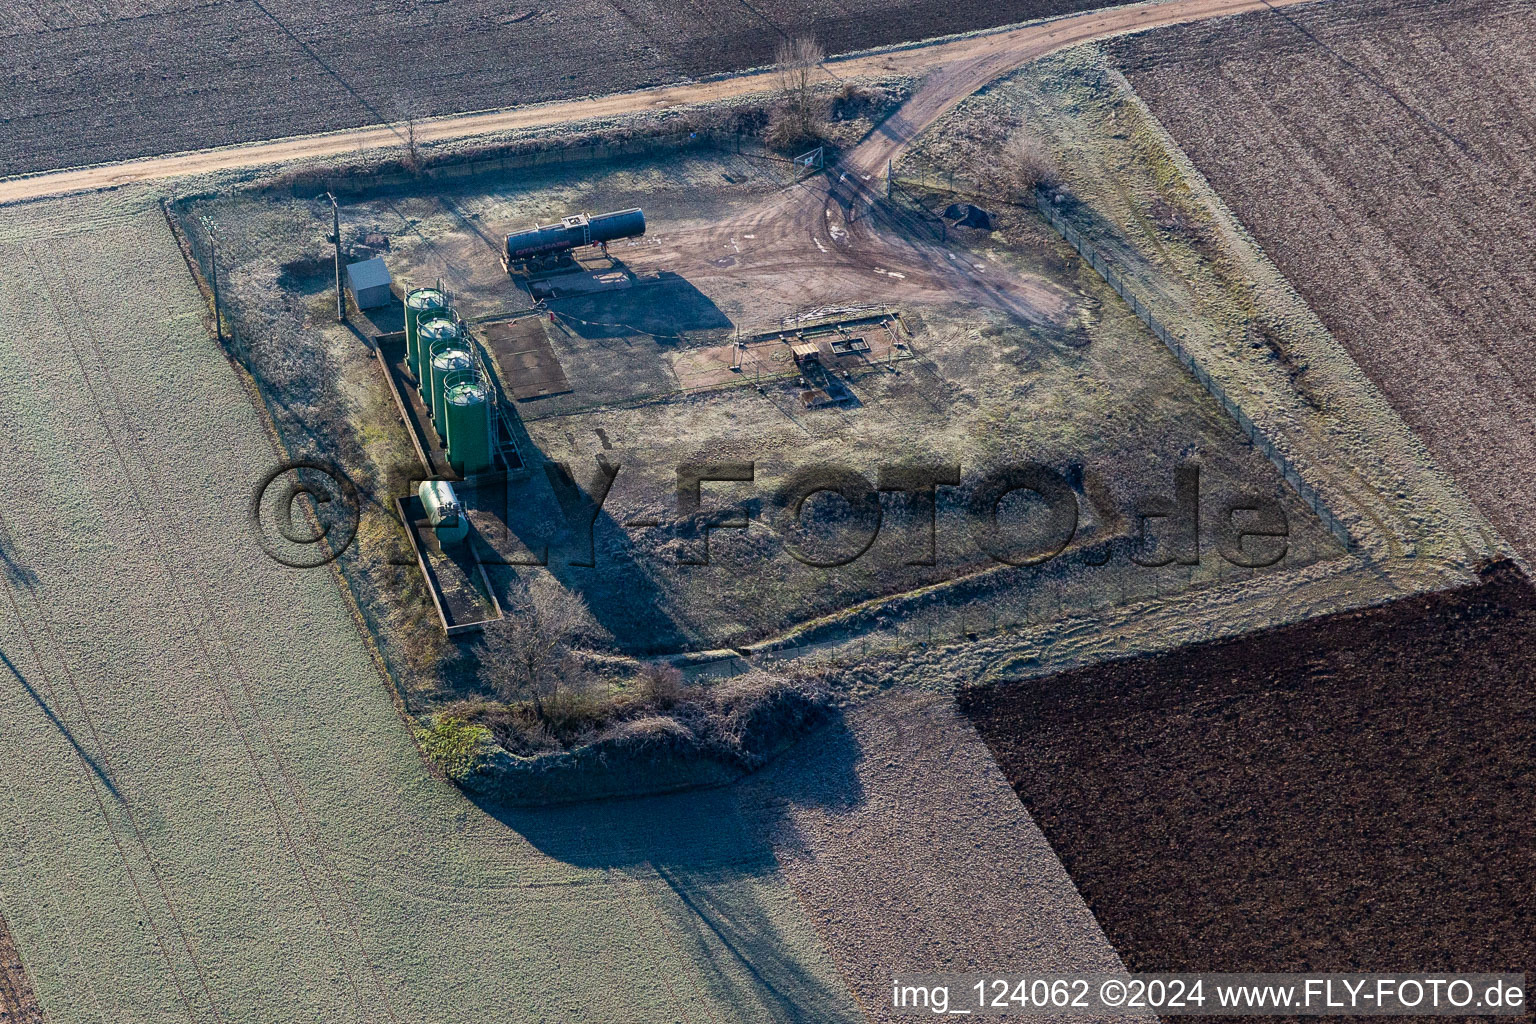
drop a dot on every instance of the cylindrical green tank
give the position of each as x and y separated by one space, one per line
438 325
467 410
417 302
449 359
444 512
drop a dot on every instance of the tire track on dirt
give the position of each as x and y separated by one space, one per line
93 773
208 605
147 528
1352 187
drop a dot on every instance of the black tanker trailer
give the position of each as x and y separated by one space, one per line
549 244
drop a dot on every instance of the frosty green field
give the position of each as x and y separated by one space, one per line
214 812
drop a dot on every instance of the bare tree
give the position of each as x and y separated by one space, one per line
412 157
529 652
797 63
407 111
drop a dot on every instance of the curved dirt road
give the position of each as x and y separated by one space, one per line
959 67
830 237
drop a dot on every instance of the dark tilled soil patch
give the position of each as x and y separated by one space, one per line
1350 793
80 86
18 1003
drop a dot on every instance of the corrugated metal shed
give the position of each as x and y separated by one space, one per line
805 350
369 281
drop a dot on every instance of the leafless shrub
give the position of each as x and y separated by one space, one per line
855 99
660 686
754 712
1024 165
786 133
701 119
740 720
573 711
748 119
798 120
530 652
521 733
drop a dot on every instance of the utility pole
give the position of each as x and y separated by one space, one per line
341 296
213 264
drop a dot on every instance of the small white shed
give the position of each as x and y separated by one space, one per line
369 281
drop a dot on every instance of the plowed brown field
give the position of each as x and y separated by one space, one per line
1382 153
93 82
1350 793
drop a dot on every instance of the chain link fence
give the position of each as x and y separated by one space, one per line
1251 430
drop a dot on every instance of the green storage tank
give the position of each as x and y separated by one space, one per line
467 409
417 302
444 512
438 325
452 358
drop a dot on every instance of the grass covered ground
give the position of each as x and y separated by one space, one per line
214 810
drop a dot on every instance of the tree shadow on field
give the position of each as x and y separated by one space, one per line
58 724
720 899
821 771
16 574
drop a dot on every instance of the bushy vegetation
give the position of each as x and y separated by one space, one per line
651 732
1024 165
555 694
456 746
855 100
723 719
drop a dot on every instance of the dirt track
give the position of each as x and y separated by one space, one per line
962 67
90 82
830 238
212 809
